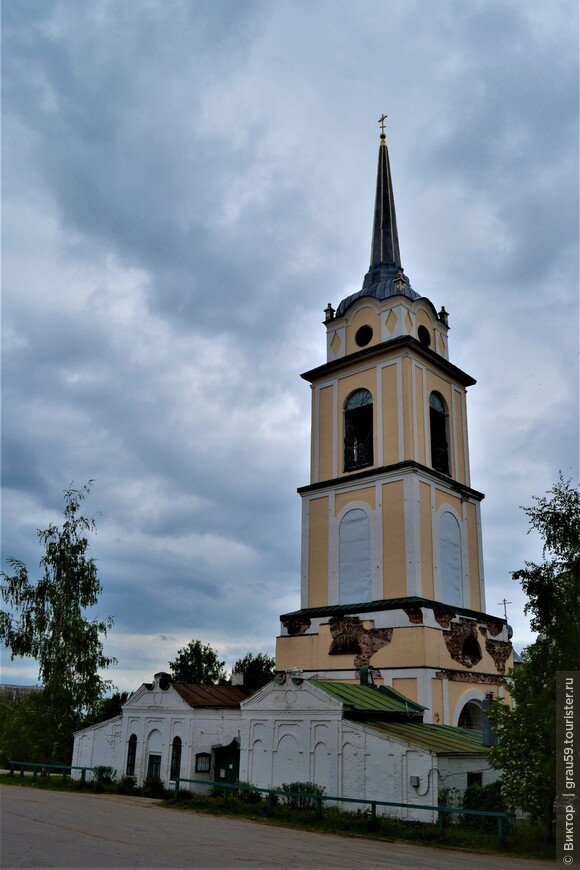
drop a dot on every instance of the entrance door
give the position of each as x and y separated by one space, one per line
154 767
227 762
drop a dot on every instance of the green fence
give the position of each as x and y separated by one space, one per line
227 788
318 800
47 769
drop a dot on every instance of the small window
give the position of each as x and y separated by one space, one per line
438 421
475 778
202 762
358 430
131 755
424 336
363 336
175 758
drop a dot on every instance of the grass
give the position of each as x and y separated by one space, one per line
524 841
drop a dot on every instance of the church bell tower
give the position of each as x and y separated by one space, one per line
392 563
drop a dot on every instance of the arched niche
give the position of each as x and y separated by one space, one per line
354 557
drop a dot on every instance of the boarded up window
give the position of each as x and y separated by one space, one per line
354 557
451 562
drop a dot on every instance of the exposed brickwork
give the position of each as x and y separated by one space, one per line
467 677
462 643
494 628
369 639
500 651
443 618
296 626
415 615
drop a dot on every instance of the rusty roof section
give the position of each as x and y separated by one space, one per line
211 696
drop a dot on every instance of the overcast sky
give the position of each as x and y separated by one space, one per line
186 186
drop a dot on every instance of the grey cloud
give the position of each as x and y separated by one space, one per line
186 186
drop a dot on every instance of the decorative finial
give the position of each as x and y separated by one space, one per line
399 281
382 120
443 316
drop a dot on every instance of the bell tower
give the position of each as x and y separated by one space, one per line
392 564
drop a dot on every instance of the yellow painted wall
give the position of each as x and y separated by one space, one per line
412 647
308 652
366 494
426 521
407 409
473 551
325 471
318 552
420 646
367 315
394 557
443 498
460 471
420 416
390 416
407 686
437 700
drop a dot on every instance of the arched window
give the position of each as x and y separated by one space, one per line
354 547
358 430
450 560
131 755
175 758
343 644
438 422
471 716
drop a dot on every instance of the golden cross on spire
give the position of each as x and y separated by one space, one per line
382 123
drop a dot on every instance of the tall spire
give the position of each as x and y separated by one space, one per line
385 276
385 239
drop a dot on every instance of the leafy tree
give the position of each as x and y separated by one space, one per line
47 620
526 750
553 588
196 663
110 706
257 670
32 729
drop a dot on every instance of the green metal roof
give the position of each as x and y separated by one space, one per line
381 699
440 739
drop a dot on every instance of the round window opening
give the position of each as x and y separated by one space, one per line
363 336
424 336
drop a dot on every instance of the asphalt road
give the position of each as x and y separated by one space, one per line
54 829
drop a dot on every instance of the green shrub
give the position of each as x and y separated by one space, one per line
105 775
483 797
127 785
449 797
301 795
153 787
248 795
